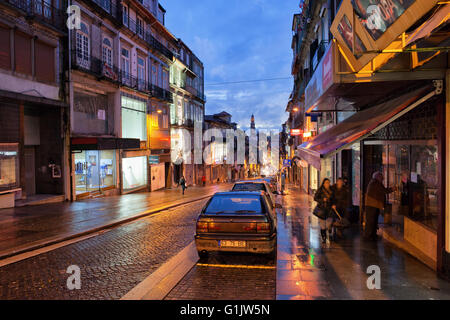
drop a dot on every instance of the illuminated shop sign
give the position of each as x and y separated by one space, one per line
377 16
364 27
296 132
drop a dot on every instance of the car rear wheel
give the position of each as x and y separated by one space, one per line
203 254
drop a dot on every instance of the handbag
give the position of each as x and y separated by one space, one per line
320 212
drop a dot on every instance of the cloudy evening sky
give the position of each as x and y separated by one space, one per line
240 40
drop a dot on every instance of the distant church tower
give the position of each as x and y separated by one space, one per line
252 122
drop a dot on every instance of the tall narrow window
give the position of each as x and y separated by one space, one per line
141 73
125 66
107 52
82 46
139 27
165 80
154 74
125 15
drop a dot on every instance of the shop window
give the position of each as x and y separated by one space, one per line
95 170
134 118
5 48
22 53
9 166
134 171
44 62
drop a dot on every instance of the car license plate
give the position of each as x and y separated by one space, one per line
232 244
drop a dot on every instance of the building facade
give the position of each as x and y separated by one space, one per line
33 108
187 109
373 98
120 93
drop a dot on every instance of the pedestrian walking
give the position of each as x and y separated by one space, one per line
203 180
182 183
375 200
341 202
323 197
283 182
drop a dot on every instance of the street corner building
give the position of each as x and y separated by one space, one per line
33 104
91 111
371 93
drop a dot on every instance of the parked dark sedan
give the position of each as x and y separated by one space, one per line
238 222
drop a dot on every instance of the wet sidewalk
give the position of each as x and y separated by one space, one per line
306 269
32 227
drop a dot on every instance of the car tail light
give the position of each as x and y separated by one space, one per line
249 227
213 227
202 226
263 227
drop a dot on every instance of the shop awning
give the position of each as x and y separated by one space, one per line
361 125
440 17
96 143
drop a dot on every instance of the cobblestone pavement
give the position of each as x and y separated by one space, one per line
111 264
228 277
33 225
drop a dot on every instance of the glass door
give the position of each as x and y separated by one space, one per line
94 170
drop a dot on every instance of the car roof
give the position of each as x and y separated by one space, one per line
242 193
250 181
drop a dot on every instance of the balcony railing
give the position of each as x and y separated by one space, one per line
95 66
320 51
41 10
155 44
138 30
102 70
161 93
109 8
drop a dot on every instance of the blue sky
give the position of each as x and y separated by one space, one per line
240 40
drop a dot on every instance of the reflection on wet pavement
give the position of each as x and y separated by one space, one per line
30 225
306 269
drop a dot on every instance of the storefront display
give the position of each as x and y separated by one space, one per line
134 172
9 166
94 170
314 176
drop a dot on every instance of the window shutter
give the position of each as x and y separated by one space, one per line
22 53
44 62
5 49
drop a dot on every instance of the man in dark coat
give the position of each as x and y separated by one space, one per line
340 202
374 202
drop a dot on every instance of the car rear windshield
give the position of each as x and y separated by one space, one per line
249 187
235 204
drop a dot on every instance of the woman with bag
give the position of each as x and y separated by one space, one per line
323 197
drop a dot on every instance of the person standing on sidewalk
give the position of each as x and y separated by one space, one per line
340 203
203 180
182 183
375 199
323 197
